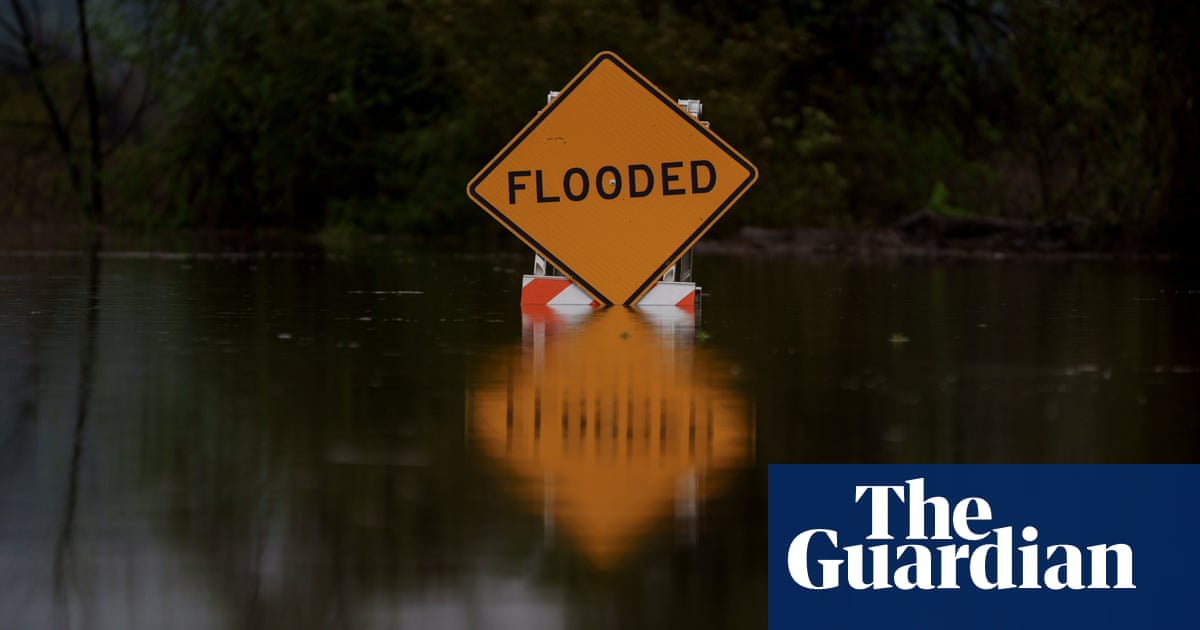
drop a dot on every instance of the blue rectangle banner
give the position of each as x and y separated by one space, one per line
987 546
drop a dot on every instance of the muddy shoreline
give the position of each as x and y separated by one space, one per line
929 235
923 235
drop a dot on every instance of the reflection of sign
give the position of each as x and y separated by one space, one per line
610 426
612 181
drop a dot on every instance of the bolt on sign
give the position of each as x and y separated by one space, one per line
612 182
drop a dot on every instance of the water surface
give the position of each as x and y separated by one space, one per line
383 439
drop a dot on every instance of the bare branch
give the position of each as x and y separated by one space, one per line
76 107
10 28
93 102
33 60
143 102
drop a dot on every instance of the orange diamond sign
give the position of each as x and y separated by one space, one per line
612 182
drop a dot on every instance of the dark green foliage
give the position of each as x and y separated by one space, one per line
373 114
299 111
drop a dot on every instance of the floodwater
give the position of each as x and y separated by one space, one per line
383 439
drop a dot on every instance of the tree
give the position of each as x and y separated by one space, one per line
85 174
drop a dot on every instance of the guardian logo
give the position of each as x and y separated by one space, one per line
982 546
982 554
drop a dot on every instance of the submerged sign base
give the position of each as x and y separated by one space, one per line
559 291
